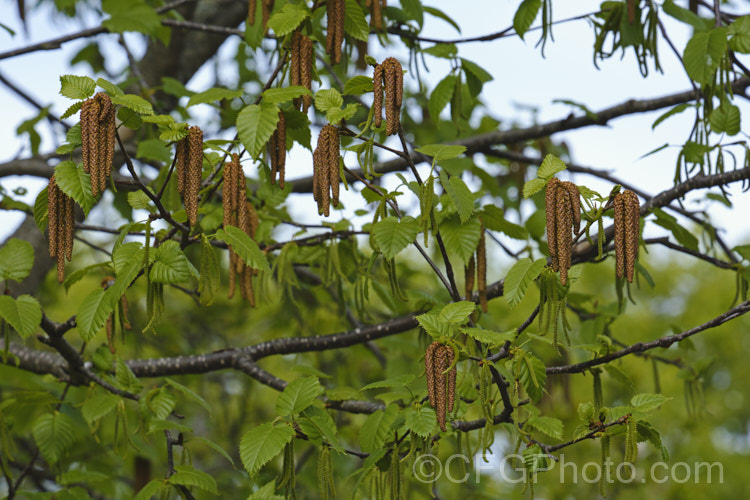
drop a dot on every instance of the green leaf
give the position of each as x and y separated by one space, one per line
186 475
281 95
393 235
457 312
170 264
24 313
266 493
376 429
726 119
298 395
262 443
210 273
98 406
212 95
520 277
440 97
109 87
400 381
286 20
552 427
549 167
53 433
139 200
218 449
41 214
74 476
77 87
525 15
358 85
460 193
126 379
93 313
530 188
682 235
739 32
420 420
443 50
134 15
328 99
152 488
76 183
336 115
413 10
433 325
586 411
190 394
442 15
16 259
255 126
685 16
160 402
244 246
442 151
494 220
134 102
646 402
489 337
703 54
675 110
460 239
153 149
355 24
533 376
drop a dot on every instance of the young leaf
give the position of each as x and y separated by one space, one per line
357 85
376 429
489 337
212 95
186 475
93 313
23 313
440 97
286 20
520 277
16 259
400 381
530 188
646 402
261 444
533 376
170 264
98 406
393 235
703 54
327 99
552 427
255 126
134 102
726 119
457 312
420 420
76 183
525 16
461 239
209 273
281 95
244 246
461 195
298 395
77 87
53 434
549 167
441 151
152 488
355 24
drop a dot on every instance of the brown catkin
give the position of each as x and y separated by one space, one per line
633 217
107 131
451 380
429 372
340 19
326 169
334 145
251 5
335 29
69 207
441 396
267 9
305 72
97 139
53 217
181 154
192 180
575 204
619 208
60 226
550 198
277 151
393 77
377 100
296 61
482 270
469 272
564 233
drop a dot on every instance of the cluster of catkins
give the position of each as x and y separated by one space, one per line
335 31
189 166
277 151
239 212
98 140
477 266
326 169
388 76
266 9
60 231
376 12
627 229
301 68
563 211
440 373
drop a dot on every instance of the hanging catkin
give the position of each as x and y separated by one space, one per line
60 226
189 166
98 140
482 270
469 272
627 231
301 68
441 386
335 30
376 12
277 151
326 169
388 77
563 212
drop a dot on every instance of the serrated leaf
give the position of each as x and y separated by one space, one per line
53 434
400 381
355 24
533 376
266 493
41 213
549 167
189 476
336 115
255 126
674 111
460 194
646 402
281 95
77 87
218 449
170 264
82 476
520 277
457 312
134 102
726 119
160 402
489 337
190 394
109 87
433 325
261 444
703 54
98 406
23 314
125 377
443 50
460 239
739 33
550 426
212 95
93 313
442 15
586 411
525 15
244 246
440 97
134 15
153 149
152 488
376 429
326 99
298 395
494 220
530 188
139 200
76 183
286 20
16 259
72 109
420 421
393 235
358 85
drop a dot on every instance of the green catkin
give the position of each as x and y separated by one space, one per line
631 441
604 476
325 473
657 383
596 372
395 474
